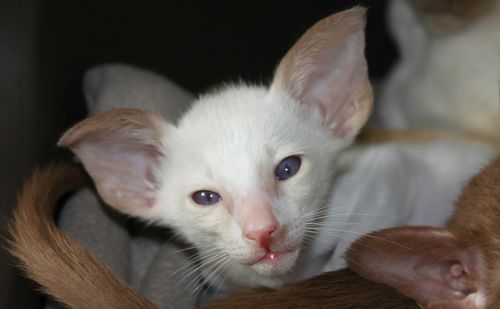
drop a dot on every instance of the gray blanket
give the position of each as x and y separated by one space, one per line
145 257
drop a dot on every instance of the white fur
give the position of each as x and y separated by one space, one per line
448 81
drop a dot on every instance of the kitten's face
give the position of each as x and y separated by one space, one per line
231 145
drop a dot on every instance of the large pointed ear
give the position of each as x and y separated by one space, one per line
121 150
429 265
326 71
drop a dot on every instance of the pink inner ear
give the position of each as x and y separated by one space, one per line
123 169
326 70
427 264
339 92
121 149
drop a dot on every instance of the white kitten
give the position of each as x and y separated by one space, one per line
220 176
447 79
247 173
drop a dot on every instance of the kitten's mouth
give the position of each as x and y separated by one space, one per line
275 263
273 257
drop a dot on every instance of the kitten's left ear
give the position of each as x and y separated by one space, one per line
326 70
429 265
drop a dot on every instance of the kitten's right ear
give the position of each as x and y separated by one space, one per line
121 149
326 70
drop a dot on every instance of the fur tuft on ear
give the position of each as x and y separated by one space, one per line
427 264
326 71
121 150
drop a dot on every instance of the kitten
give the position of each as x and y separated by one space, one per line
448 76
240 172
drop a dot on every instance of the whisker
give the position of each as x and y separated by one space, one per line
197 258
343 238
364 235
199 275
193 267
202 277
194 248
362 214
205 262
221 282
328 223
326 205
214 273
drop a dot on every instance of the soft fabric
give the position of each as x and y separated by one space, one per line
117 85
143 256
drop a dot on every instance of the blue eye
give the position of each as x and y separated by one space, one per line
287 168
206 197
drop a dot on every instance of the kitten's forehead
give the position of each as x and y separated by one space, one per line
233 119
241 131
230 132
232 108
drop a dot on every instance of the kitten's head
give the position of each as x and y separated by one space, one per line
246 167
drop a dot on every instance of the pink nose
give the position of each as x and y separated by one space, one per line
262 235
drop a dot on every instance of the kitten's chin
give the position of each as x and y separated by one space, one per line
276 264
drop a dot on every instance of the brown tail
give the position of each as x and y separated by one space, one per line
63 268
340 289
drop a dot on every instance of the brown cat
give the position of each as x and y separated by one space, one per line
453 267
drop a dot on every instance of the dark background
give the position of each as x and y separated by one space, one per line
45 47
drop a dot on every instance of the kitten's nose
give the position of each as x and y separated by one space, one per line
255 215
262 235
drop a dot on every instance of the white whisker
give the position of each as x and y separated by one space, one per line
197 258
203 275
329 223
360 234
221 282
204 262
213 273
